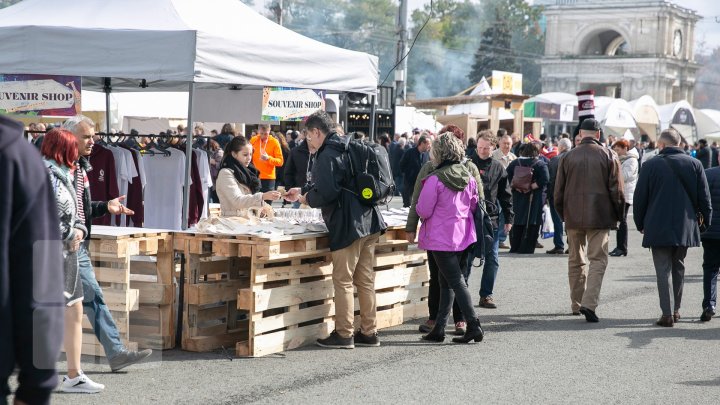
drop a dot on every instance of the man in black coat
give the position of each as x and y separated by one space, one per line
670 190
396 154
298 166
564 145
354 229
496 189
32 304
412 160
711 247
704 154
715 152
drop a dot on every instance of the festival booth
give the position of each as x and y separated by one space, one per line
261 292
615 116
558 111
681 116
647 117
708 124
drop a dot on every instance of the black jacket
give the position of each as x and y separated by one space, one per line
662 209
552 169
410 164
495 186
713 179
31 272
528 211
347 219
93 209
296 166
280 171
396 154
714 162
704 155
223 139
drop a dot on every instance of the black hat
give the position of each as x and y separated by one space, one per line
590 124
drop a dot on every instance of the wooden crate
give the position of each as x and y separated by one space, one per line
260 295
283 289
136 266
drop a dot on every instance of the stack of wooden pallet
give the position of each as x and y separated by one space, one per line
134 267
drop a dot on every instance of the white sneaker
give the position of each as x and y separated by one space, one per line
80 384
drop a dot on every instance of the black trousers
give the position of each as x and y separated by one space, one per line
711 267
434 292
523 238
453 286
622 232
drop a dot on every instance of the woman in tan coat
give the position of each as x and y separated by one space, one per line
238 184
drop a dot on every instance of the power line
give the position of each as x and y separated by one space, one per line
412 45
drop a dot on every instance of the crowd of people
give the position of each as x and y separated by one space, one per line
584 186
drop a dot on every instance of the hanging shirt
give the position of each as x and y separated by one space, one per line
103 179
135 199
126 172
163 191
205 178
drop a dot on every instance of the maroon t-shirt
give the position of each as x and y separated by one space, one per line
134 197
103 180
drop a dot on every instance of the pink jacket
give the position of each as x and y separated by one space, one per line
447 216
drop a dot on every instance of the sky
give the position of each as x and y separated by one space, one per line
708 29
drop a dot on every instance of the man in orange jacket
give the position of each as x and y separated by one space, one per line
267 155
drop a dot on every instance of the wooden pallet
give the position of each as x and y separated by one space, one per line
135 267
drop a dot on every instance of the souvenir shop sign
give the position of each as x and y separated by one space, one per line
290 104
40 95
506 83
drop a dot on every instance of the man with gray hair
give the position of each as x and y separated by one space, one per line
671 193
94 306
590 198
564 145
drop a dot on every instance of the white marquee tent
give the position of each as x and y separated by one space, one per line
172 45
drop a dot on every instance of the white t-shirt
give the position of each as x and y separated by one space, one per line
205 177
163 191
125 171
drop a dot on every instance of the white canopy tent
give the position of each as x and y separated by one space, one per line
706 126
714 116
647 117
409 118
178 45
615 115
681 116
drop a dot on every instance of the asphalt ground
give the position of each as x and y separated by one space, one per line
534 351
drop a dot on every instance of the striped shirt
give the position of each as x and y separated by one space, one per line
81 181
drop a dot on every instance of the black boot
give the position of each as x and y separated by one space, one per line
437 334
474 332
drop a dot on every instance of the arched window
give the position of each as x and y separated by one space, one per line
607 43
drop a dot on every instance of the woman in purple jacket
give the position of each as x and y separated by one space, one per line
447 201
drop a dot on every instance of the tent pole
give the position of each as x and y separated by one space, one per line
107 88
188 160
373 111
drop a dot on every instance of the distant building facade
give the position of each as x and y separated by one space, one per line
620 48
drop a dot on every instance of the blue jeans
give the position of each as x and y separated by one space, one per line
490 269
502 236
558 225
94 307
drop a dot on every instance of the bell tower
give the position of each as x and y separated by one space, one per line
620 48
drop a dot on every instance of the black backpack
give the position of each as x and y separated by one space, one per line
370 173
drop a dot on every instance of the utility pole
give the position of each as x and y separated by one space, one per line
277 8
401 71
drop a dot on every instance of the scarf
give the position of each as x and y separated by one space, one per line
247 176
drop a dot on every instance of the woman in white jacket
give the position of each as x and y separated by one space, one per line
238 184
630 168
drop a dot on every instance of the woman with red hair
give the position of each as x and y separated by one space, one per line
630 171
60 151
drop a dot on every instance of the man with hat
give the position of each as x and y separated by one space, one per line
589 198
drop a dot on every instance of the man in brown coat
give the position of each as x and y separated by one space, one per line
589 198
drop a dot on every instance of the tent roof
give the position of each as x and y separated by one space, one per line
667 112
170 43
554 98
614 113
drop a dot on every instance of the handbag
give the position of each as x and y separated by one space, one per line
698 215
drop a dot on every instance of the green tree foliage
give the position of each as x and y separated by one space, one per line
512 42
7 3
439 62
707 86
361 25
